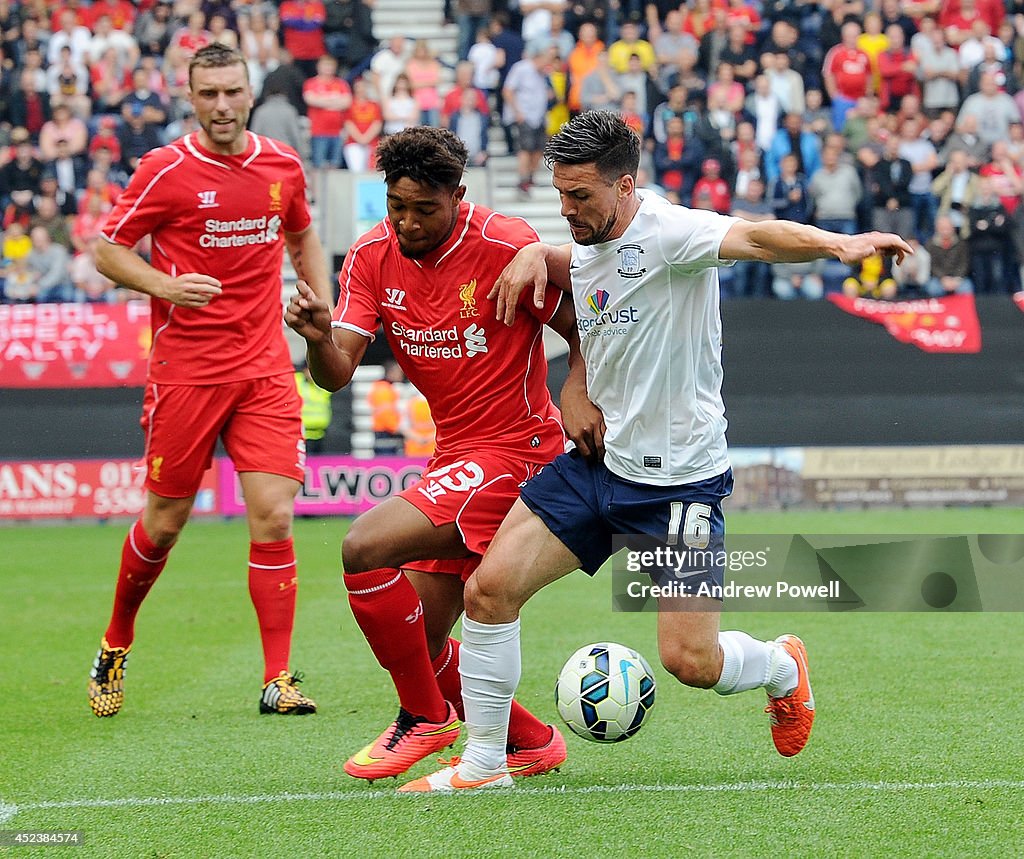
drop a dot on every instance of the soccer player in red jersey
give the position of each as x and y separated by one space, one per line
221 205
423 274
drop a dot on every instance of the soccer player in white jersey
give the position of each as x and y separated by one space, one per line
644 277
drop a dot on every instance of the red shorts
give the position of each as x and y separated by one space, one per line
259 421
475 492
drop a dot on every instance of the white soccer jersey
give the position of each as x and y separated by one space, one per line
647 311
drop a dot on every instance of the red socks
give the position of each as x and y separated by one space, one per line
141 564
525 731
390 614
272 587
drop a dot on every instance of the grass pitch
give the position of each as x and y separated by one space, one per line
917 749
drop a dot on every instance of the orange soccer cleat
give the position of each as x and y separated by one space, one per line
526 762
407 740
793 715
549 757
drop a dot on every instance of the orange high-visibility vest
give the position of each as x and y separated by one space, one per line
420 432
384 406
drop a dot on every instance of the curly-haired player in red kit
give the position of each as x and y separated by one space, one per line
423 274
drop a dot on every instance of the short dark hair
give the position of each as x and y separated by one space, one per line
216 56
430 156
597 137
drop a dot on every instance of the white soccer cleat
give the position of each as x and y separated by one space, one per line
448 780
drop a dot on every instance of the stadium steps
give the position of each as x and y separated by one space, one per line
417 19
541 209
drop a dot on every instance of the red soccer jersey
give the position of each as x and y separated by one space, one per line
223 216
302 23
851 69
486 383
121 12
324 122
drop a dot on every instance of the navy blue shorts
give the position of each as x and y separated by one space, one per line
585 506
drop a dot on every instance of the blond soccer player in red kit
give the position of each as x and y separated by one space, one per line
221 205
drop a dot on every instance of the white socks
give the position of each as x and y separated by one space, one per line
490 666
749 664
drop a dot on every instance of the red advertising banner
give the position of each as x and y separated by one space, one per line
74 345
83 488
947 324
334 485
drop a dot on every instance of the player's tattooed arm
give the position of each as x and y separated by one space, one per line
583 421
309 261
534 265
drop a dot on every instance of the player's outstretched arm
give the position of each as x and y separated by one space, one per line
122 265
582 420
332 355
534 265
788 241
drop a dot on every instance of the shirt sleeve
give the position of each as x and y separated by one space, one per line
358 307
144 204
693 237
297 216
553 296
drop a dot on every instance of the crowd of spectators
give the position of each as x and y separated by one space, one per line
897 115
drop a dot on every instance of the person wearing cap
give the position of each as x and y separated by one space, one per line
136 136
106 138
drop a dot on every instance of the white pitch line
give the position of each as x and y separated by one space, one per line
8 810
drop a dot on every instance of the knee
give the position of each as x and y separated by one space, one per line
698 667
360 550
487 601
276 522
163 527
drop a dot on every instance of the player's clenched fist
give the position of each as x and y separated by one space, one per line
308 315
191 290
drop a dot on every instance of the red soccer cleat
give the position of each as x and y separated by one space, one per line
407 740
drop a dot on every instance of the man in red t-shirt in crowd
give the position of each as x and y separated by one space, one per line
424 274
957 18
327 98
711 191
363 125
452 103
221 205
847 74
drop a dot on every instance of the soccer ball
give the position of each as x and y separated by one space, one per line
604 692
